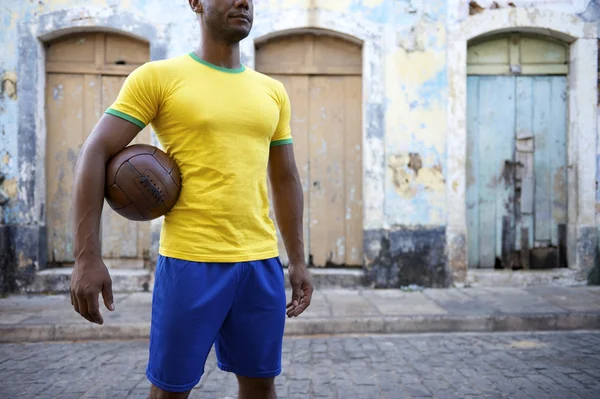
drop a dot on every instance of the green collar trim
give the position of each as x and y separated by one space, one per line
218 68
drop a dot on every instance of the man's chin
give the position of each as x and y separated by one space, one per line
238 33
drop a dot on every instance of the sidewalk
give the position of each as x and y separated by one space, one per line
333 311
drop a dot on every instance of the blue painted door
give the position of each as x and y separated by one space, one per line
516 170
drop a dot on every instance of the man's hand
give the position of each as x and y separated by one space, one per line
302 290
89 278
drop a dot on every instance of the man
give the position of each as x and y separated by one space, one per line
218 276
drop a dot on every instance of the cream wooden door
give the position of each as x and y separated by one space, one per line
322 77
84 75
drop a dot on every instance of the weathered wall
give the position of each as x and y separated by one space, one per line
406 113
404 125
407 125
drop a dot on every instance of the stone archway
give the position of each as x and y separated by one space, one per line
349 26
582 123
31 234
322 73
84 74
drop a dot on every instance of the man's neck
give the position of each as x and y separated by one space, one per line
223 55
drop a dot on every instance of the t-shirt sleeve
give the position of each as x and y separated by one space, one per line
283 132
138 100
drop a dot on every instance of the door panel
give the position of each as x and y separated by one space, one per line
542 203
525 138
353 169
297 89
326 125
309 55
558 154
472 169
491 145
122 238
527 129
336 170
70 103
327 194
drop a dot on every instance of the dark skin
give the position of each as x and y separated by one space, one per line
223 24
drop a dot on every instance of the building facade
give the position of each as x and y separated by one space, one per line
439 142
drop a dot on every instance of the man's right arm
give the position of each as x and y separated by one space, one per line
90 275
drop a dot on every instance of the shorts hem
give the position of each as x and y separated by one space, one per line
169 387
263 374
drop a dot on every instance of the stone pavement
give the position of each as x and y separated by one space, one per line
333 311
563 365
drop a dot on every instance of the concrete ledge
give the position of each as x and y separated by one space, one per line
339 278
524 278
58 280
142 280
318 326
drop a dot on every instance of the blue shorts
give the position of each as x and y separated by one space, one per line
240 307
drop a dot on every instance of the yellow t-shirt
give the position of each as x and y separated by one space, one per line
218 125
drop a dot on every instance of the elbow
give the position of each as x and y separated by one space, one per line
91 155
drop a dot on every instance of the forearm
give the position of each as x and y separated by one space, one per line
88 200
288 201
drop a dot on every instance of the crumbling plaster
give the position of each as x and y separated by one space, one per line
281 21
404 91
404 71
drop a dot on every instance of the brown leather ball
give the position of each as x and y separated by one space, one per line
142 182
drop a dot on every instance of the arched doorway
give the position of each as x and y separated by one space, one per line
323 77
84 73
517 151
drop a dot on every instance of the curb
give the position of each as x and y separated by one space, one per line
315 326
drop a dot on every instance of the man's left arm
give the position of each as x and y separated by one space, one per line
288 201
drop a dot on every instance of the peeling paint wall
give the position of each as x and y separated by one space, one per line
408 178
416 121
8 109
461 9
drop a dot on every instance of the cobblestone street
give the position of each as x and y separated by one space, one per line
541 365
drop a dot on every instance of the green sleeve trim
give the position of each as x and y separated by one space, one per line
128 118
281 142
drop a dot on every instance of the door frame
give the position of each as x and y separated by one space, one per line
511 45
310 70
351 27
582 127
33 33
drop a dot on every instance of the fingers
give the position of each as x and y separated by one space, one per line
107 295
87 306
93 308
74 301
304 303
82 307
300 301
291 308
297 294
